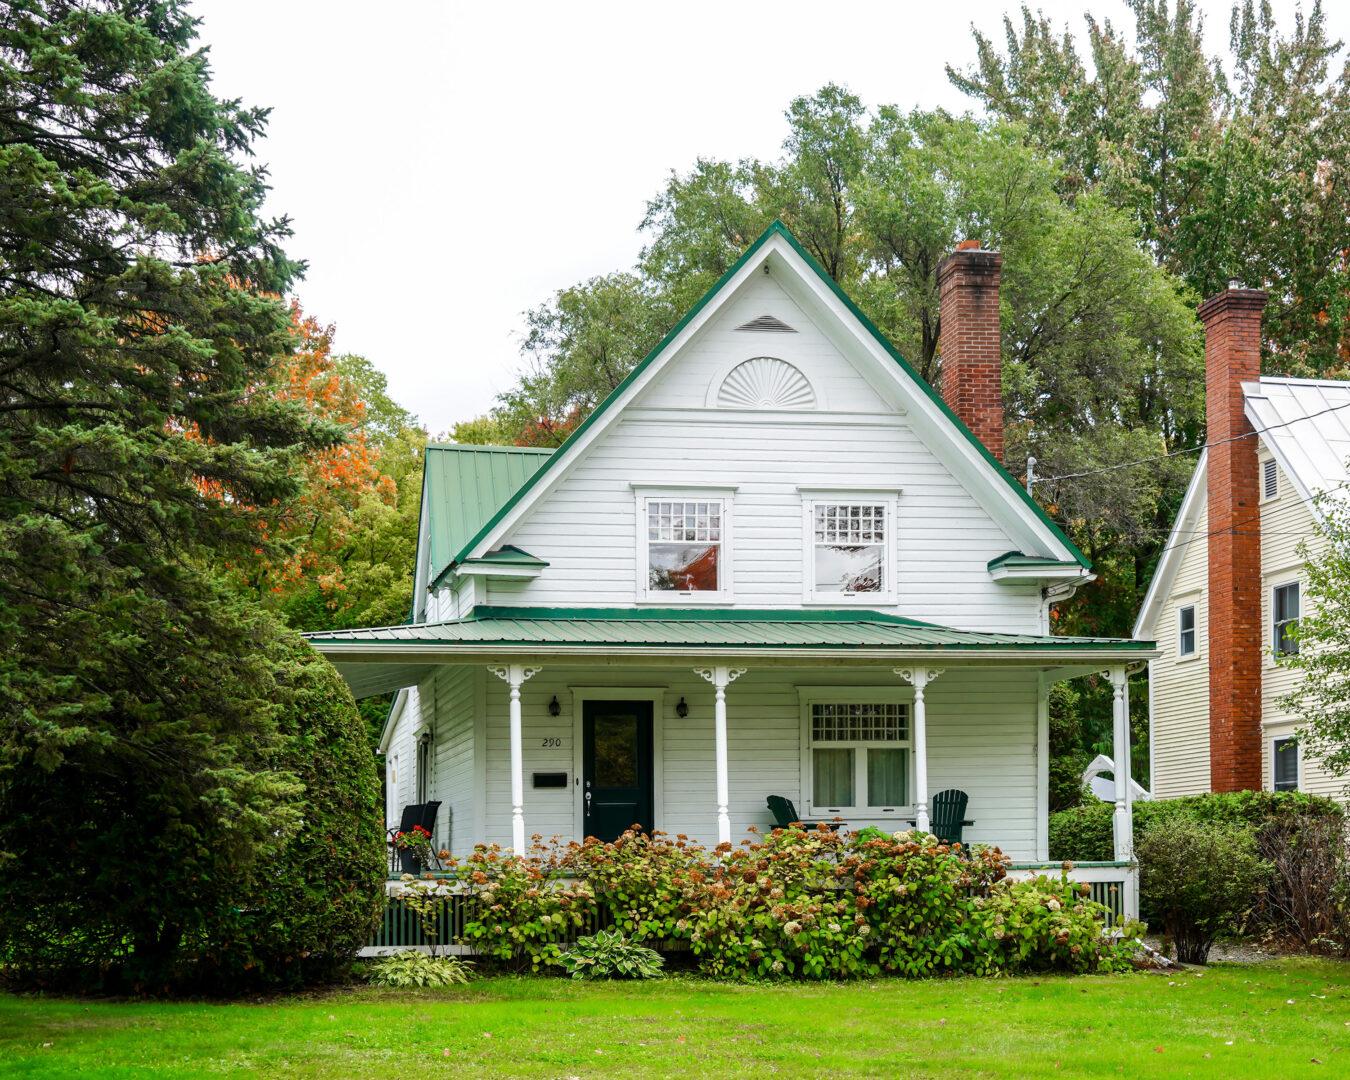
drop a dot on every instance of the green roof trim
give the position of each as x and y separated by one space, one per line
508 555
1017 559
782 230
711 628
464 485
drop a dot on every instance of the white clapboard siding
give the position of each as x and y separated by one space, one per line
1286 521
982 734
586 527
453 749
1180 717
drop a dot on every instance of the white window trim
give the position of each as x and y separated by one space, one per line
1194 654
1298 760
642 494
845 495
1274 625
425 734
856 816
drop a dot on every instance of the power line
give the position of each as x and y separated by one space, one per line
1189 450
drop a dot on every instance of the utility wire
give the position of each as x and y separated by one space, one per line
1189 450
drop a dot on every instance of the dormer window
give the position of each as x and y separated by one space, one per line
683 547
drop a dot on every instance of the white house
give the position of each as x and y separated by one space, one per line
773 562
1230 584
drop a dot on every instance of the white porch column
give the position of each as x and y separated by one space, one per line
515 675
919 678
721 678
1120 750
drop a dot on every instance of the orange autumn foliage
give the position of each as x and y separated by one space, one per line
315 526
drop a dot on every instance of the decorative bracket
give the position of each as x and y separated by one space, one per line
919 677
504 672
729 675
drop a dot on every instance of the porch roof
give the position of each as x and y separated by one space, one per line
502 632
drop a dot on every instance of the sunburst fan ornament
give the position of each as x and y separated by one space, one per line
766 383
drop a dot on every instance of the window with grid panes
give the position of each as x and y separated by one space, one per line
1284 612
850 547
684 545
859 755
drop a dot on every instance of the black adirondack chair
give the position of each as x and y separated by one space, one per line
785 815
947 815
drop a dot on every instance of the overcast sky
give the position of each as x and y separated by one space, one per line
448 165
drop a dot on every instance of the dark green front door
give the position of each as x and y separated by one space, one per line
616 767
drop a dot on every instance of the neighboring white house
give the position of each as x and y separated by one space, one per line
773 562
1230 584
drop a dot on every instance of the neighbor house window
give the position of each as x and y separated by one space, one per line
859 755
684 545
1284 611
1286 764
1186 630
850 547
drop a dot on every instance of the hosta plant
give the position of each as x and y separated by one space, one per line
419 969
610 955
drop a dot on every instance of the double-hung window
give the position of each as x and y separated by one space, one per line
849 544
859 756
683 547
1186 630
423 779
1285 753
1284 617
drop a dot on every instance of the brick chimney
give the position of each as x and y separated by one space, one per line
1233 356
972 363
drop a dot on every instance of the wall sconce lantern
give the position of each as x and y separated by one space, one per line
553 707
682 709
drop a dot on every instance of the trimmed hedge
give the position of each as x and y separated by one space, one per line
1084 833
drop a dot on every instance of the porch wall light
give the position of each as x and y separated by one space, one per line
553 707
682 709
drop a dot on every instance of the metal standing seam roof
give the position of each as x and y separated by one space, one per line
703 627
1306 424
465 486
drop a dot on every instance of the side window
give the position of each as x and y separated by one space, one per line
1186 631
424 767
1284 616
1285 764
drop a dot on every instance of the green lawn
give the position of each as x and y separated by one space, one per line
1286 1019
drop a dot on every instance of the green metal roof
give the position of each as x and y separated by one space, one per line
1018 560
464 486
712 627
777 227
507 555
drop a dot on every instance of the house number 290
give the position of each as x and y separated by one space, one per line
552 744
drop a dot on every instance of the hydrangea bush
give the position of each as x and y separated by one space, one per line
792 904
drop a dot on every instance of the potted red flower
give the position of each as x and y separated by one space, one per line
414 849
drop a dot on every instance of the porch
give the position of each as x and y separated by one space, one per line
566 726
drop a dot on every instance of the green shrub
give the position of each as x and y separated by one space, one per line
610 955
318 902
1049 923
1084 833
1202 878
419 969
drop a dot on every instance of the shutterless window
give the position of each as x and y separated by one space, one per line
1286 764
850 547
1270 479
1284 609
424 768
860 755
1186 630
684 546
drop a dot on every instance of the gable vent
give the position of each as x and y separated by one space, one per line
1272 479
766 383
767 324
